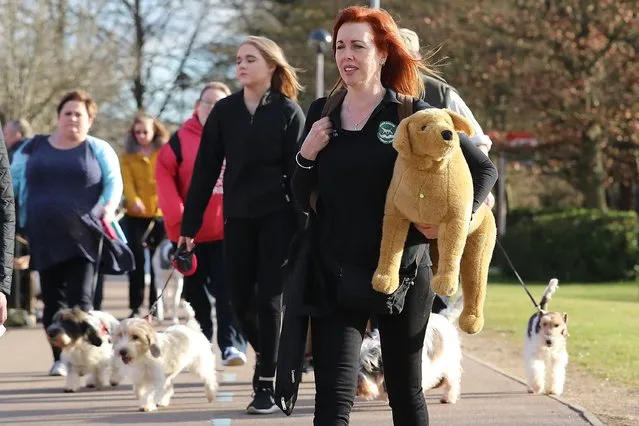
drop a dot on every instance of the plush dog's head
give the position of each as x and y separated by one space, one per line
370 378
71 326
430 134
553 326
134 338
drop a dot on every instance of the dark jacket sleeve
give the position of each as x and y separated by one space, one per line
7 220
207 168
482 170
305 180
293 139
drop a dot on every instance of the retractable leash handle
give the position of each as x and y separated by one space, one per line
185 261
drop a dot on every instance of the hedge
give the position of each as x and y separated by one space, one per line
573 245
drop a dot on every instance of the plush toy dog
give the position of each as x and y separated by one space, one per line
432 184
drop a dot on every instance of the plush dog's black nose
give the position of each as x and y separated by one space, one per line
447 135
123 352
548 342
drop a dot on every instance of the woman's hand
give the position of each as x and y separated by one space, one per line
429 231
317 138
187 241
138 207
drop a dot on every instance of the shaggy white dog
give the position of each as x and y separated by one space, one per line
152 359
441 359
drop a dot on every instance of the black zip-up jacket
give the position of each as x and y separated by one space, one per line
352 175
260 157
7 220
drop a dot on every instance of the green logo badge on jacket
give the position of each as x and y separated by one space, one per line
386 132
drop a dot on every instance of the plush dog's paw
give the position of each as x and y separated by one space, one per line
471 323
385 283
445 284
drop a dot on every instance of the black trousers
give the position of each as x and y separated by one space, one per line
211 276
337 339
66 284
255 250
135 227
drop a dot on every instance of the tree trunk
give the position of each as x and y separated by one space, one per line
592 172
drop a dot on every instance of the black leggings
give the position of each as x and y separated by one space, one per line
66 284
255 250
210 276
337 339
135 227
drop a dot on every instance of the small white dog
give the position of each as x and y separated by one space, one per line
545 348
85 340
152 360
441 359
170 300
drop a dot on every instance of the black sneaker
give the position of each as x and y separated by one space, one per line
263 402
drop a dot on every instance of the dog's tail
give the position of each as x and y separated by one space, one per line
191 322
452 312
552 287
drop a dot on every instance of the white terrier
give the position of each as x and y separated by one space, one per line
441 359
85 340
152 360
170 300
545 349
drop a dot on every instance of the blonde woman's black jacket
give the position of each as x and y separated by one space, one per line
260 156
7 220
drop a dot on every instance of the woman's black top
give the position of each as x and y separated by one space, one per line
352 175
259 150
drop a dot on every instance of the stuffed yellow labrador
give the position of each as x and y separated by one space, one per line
432 184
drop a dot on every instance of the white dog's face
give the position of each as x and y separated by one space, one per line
71 326
553 326
134 338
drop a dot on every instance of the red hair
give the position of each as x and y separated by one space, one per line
402 72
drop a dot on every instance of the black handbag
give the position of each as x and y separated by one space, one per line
304 296
355 288
290 360
305 290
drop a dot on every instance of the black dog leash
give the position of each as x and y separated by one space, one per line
517 275
154 306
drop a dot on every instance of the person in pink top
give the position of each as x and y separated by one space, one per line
173 175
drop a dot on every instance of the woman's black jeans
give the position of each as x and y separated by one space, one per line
337 339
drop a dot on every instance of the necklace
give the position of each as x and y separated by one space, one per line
359 123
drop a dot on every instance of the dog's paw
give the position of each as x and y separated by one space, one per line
148 408
448 400
554 391
90 385
385 283
445 284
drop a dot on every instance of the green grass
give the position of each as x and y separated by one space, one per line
603 322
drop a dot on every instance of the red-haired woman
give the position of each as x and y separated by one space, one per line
348 158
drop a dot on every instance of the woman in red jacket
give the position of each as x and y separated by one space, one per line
173 181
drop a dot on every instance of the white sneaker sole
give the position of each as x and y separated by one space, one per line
234 361
253 410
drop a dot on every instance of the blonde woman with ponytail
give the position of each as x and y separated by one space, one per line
257 130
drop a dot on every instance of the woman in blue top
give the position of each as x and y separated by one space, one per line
62 179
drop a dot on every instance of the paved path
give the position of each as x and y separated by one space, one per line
29 397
